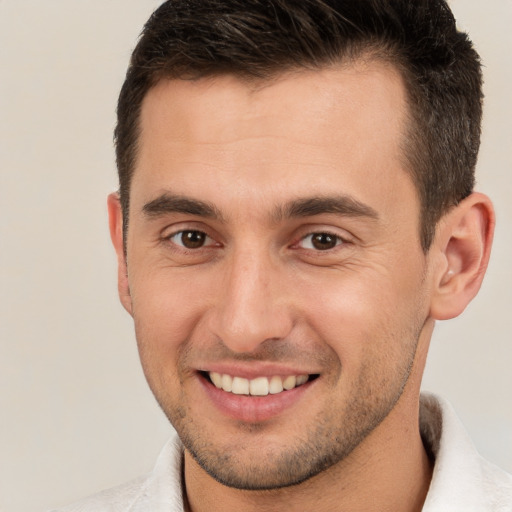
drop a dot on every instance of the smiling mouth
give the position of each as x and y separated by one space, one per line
260 386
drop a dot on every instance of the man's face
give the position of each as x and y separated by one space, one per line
274 234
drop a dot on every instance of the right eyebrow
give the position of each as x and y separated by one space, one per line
169 203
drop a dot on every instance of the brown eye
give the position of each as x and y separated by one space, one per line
190 239
321 241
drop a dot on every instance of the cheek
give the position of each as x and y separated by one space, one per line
364 315
167 301
167 308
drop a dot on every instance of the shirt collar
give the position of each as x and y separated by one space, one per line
460 479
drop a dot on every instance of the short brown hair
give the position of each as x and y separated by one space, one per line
258 39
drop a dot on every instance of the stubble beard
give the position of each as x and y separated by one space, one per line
321 445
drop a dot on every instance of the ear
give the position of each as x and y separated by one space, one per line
115 218
461 251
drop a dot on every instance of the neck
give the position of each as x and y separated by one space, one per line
389 471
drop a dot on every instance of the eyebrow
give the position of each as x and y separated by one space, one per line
345 205
170 203
339 205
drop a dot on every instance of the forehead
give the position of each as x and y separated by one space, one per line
214 109
310 129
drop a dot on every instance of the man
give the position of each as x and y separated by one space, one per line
296 210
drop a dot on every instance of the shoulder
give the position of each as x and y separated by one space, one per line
497 485
158 491
116 499
462 478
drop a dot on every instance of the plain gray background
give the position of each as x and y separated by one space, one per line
75 412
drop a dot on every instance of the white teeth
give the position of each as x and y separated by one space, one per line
301 379
216 379
240 386
276 385
289 382
227 382
260 386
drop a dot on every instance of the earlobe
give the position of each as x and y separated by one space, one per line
461 251
115 218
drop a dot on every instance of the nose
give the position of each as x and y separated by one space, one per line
252 306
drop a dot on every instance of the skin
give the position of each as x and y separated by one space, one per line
232 160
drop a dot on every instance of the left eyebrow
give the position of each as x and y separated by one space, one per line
169 203
340 205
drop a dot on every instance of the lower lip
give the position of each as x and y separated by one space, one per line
253 409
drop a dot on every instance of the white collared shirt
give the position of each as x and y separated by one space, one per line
462 480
